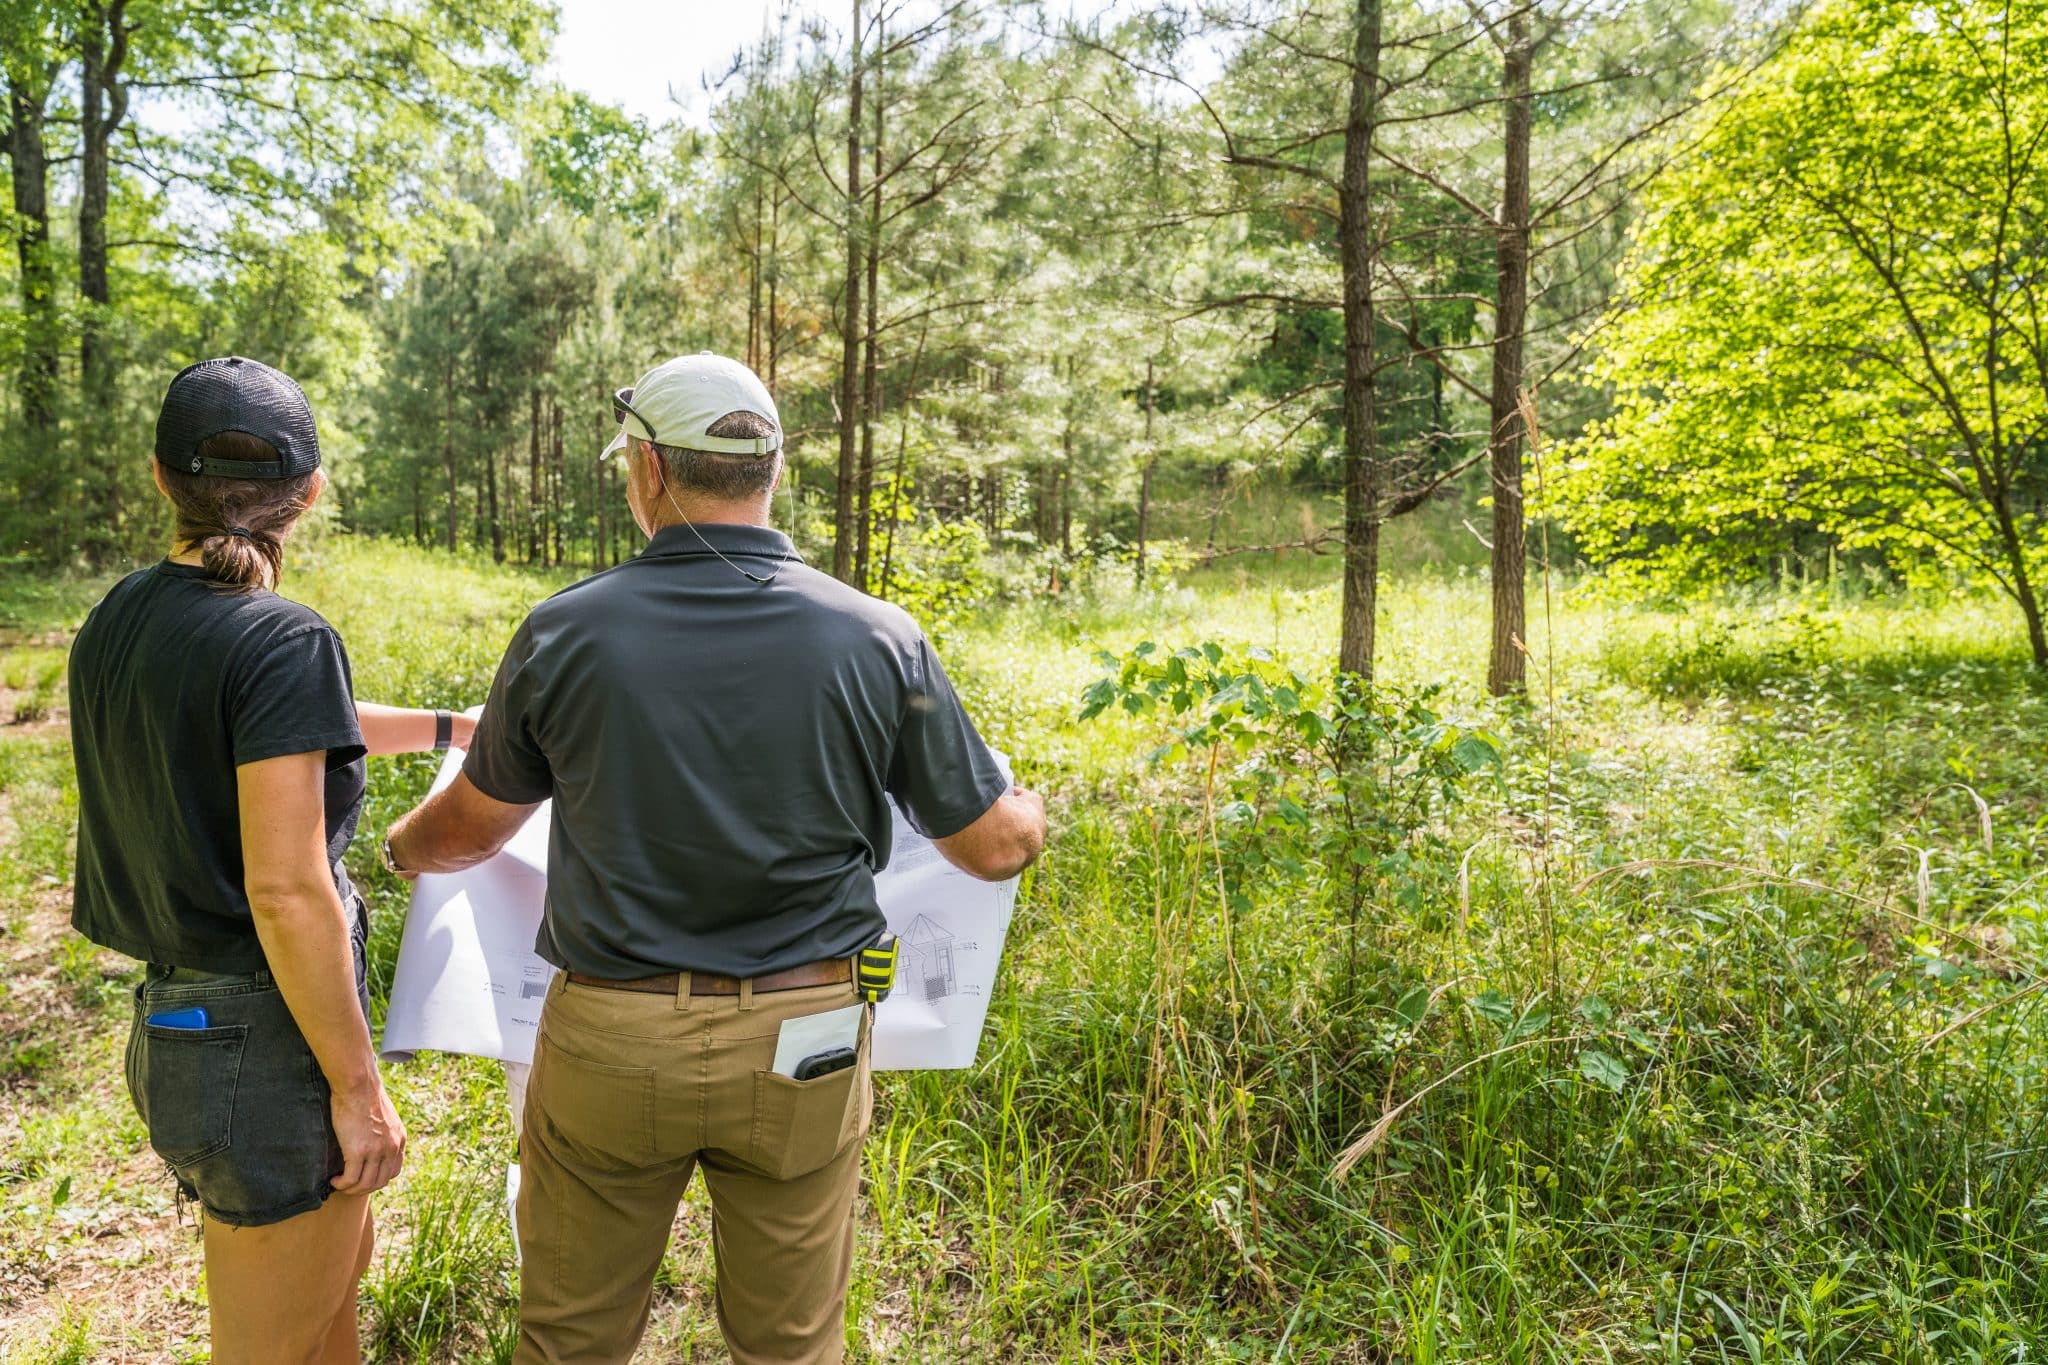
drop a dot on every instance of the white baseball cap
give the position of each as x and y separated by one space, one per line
676 401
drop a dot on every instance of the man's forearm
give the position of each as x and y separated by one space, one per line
455 828
305 940
420 843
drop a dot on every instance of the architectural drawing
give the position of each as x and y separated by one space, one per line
928 960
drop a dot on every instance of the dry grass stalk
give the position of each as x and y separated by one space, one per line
2038 985
1375 1135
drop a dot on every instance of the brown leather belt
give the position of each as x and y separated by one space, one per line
830 972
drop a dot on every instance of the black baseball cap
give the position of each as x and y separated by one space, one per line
234 393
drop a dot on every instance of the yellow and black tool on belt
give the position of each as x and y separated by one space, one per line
874 970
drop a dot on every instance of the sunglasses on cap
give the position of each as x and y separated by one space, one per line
622 407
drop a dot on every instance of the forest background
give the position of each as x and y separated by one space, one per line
1512 532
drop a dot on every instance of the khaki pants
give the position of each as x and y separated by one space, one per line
631 1094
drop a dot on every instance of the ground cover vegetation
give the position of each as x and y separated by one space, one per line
1590 920
1689 1014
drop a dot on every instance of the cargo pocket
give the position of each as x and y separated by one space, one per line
801 1125
183 1081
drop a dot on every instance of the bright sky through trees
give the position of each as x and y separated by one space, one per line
646 54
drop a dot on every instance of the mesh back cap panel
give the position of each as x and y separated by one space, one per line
234 393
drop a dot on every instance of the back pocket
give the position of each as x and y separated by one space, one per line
183 1081
606 1111
801 1125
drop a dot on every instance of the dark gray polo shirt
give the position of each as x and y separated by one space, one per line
721 754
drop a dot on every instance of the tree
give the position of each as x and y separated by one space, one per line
1839 314
1615 77
303 129
29 62
1299 115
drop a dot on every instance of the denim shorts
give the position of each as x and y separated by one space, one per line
238 1109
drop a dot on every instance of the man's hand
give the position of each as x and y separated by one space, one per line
372 1139
1007 838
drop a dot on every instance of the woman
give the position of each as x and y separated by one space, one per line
220 775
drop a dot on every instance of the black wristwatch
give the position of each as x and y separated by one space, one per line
444 730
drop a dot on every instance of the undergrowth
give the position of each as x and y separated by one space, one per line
1693 1015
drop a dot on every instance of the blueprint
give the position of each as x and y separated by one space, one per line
469 981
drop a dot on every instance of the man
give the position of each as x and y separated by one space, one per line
721 729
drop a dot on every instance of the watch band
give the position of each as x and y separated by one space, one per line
444 730
390 862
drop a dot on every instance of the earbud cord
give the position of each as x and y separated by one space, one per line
669 493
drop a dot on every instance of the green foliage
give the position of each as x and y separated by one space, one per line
941 573
443 1282
1328 782
69 1342
591 156
1694 1047
1835 336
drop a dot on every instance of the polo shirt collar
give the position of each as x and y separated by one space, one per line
679 540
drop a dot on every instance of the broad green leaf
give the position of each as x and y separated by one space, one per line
1603 1068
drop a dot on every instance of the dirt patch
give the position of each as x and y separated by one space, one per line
101 1240
24 712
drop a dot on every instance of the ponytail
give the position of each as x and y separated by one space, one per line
240 558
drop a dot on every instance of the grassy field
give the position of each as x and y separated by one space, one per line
1705 1026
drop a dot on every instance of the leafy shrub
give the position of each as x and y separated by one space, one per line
1330 781
940 572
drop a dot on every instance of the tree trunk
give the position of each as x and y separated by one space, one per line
754 267
896 490
448 455
774 274
1361 417
871 397
601 495
555 479
491 488
1145 478
103 104
1507 664
2022 580
1067 512
28 160
484 503
849 330
533 477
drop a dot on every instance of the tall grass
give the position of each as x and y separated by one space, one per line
1764 1084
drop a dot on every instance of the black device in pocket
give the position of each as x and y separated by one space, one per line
824 1063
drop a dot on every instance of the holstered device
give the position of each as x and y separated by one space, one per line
874 970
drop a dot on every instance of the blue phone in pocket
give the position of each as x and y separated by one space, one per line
192 1018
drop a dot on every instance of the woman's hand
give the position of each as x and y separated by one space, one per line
372 1139
465 726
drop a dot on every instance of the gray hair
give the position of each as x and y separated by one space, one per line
728 478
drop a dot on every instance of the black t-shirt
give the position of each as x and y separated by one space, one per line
722 754
174 683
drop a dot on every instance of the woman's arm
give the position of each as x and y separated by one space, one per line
405 729
305 937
